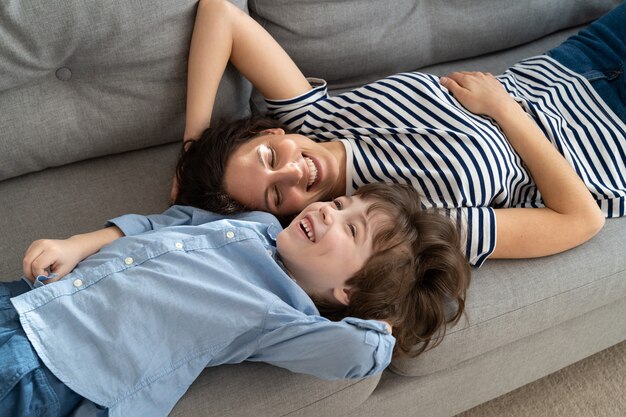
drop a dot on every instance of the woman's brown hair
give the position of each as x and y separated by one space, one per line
418 276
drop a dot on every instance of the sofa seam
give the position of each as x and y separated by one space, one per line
537 302
325 397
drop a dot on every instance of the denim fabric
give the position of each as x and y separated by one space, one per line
598 53
27 388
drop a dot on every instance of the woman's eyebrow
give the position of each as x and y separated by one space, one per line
266 194
260 156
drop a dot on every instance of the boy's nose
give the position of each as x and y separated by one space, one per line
327 213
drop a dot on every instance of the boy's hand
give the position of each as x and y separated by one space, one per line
60 257
50 256
480 93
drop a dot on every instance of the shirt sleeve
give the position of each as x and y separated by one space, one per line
292 112
348 349
477 226
135 224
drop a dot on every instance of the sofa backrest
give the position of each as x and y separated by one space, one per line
351 42
85 78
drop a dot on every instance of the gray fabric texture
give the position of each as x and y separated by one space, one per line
264 390
84 78
91 92
80 197
502 370
351 42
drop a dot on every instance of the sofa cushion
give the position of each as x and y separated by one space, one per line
257 389
352 42
510 300
84 78
76 198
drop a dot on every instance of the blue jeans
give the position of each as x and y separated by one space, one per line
27 387
598 53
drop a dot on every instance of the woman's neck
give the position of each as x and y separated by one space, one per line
337 149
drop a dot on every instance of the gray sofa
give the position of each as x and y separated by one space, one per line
92 101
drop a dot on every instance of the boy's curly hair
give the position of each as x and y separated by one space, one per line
418 276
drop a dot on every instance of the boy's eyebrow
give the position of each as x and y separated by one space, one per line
366 228
362 218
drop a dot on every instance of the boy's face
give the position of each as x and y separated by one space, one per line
327 243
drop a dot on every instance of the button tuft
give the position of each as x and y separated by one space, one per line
63 74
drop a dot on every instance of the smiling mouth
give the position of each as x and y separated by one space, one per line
307 228
313 172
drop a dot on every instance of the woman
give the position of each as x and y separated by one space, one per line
544 195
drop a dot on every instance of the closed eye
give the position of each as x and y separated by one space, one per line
277 197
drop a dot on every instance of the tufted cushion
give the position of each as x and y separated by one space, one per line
351 42
85 78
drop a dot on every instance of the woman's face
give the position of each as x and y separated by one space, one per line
282 174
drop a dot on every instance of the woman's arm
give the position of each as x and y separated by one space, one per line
222 32
60 257
571 216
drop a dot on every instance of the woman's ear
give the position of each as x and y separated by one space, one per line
273 131
342 295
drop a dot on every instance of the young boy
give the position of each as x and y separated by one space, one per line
135 322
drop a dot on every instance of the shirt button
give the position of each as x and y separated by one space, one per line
128 260
230 235
269 252
78 283
178 245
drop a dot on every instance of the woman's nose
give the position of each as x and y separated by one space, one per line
290 174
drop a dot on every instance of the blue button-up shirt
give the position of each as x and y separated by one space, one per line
134 324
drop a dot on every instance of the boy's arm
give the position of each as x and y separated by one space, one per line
223 32
60 257
571 216
135 224
351 348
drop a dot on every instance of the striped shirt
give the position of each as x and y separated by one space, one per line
407 128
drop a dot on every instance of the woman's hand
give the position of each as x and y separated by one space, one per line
479 92
571 215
